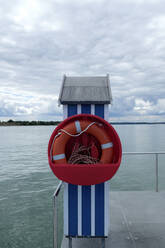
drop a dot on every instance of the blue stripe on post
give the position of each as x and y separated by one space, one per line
72 192
86 192
86 210
99 209
73 209
99 110
99 190
86 108
72 109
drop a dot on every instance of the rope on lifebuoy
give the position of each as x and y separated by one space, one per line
82 155
76 129
75 135
71 135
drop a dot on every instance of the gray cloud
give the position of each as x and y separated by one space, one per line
41 40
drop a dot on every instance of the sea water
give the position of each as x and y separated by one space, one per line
27 183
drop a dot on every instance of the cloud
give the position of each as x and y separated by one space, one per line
41 40
27 106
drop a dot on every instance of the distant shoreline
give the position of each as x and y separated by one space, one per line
54 123
28 123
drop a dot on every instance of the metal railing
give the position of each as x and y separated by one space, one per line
55 217
156 154
56 194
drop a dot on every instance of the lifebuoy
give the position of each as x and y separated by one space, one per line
98 131
76 127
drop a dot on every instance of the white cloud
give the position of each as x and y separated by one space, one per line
41 40
159 108
142 106
27 13
27 104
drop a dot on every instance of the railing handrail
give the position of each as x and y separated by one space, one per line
57 191
141 153
156 154
55 222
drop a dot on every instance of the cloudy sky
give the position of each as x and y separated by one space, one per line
42 40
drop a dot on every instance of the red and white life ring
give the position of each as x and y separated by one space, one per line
73 128
84 174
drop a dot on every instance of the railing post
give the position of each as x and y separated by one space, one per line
55 216
157 180
70 242
103 243
55 234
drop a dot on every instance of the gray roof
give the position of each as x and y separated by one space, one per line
85 90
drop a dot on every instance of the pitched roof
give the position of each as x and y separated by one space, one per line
85 90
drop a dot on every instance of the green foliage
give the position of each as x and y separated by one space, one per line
10 121
28 123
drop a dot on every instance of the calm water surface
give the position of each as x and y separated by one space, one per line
27 184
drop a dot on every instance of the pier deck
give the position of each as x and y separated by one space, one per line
137 220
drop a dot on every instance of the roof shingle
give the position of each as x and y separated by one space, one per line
85 90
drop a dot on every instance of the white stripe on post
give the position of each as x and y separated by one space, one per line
106 112
65 111
79 210
92 210
78 109
106 186
59 156
107 145
66 208
92 109
106 207
78 127
65 199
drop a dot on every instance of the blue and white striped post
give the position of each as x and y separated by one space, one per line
86 208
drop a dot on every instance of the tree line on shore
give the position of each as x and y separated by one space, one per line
47 123
28 123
